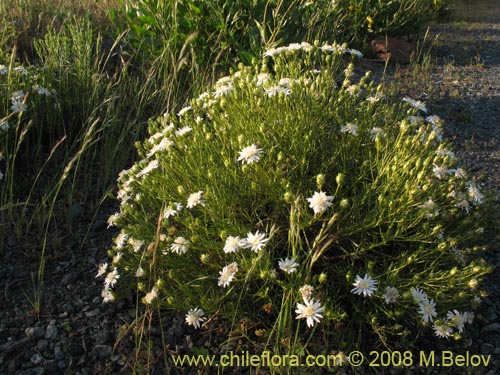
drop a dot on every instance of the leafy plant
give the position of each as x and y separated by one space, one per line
305 202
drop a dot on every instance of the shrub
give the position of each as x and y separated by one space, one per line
304 202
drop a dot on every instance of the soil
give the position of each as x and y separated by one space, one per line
75 333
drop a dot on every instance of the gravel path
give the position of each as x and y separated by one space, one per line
77 334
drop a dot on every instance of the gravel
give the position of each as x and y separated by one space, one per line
76 333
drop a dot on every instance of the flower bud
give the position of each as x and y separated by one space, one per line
344 203
322 277
339 179
204 258
320 181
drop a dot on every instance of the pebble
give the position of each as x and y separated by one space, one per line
102 351
51 332
491 327
51 365
487 348
42 345
35 332
36 359
58 353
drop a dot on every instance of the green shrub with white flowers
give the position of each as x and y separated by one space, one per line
305 202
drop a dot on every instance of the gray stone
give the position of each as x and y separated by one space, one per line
36 359
102 351
58 353
42 345
103 336
51 366
51 331
36 332
61 364
38 371
487 348
492 327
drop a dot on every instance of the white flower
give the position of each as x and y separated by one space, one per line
4 126
21 69
469 316
442 330
460 173
227 274
139 272
153 164
117 257
427 310
3 70
288 265
18 106
276 90
112 219
151 296
179 246
440 172
42 90
102 269
184 110
474 193
373 99
464 203
194 317
418 295
111 278
164 145
445 152
182 131
250 154
319 202
376 131
121 240
194 199
350 128
311 310
255 242
107 295
434 120
306 291
364 285
457 319
233 244
416 104
169 211
354 52
262 78
391 294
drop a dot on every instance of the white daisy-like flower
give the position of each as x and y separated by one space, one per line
3 70
428 205
354 52
460 173
256 241
151 295
418 295
179 246
442 330
223 90
445 152
233 244
194 199
306 291
107 295
457 319
469 315
183 131
364 285
18 106
184 110
4 126
250 154
373 99
276 90
474 193
117 257
111 278
319 202
21 69
194 317
164 145
464 203
427 310
440 172
416 104
121 240
350 128
153 164
434 120
136 244
376 131
288 265
42 90
227 274
262 78
311 311
391 294
139 272
103 267
169 211
112 219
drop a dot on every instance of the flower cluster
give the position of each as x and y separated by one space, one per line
267 194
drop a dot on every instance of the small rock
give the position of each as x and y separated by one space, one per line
58 353
103 336
102 351
491 327
51 366
61 364
92 313
51 331
38 371
34 332
42 345
36 359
